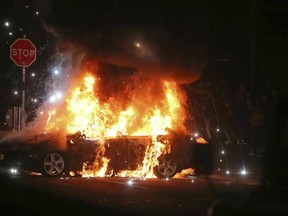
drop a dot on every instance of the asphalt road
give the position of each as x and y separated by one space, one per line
38 195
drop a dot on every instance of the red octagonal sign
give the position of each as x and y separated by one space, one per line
23 52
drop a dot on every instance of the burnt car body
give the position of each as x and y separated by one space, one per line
40 153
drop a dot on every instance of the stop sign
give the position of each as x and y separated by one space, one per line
23 52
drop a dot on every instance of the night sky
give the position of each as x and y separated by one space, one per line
184 39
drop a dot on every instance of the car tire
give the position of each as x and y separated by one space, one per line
53 164
166 168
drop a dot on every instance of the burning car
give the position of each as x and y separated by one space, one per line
129 126
122 156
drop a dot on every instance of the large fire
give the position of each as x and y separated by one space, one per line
147 109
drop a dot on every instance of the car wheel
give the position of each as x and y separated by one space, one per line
53 164
166 168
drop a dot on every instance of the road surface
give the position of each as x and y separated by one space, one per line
189 195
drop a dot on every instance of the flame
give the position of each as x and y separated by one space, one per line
49 124
99 166
185 172
150 161
157 107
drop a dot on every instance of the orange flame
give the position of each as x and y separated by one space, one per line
98 167
149 113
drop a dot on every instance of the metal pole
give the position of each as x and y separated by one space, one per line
23 95
23 88
23 98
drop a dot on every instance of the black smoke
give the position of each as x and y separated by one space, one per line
160 39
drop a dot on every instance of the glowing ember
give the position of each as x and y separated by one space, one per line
185 172
150 109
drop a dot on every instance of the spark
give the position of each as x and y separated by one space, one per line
13 171
56 72
55 97
7 24
138 45
58 95
52 99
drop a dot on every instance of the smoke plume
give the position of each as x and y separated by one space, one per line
130 34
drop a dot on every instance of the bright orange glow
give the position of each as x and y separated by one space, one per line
201 140
99 167
151 109
185 172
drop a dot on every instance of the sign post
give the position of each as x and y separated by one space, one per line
21 119
23 54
